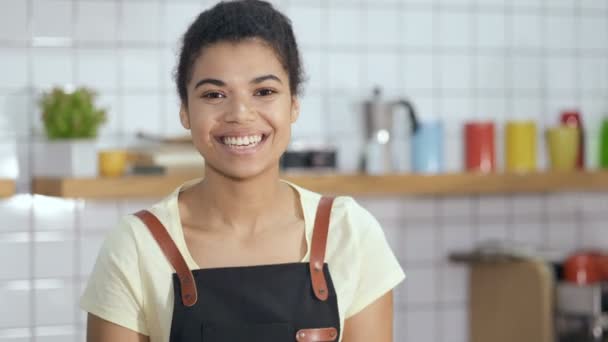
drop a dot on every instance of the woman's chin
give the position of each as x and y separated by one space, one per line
241 172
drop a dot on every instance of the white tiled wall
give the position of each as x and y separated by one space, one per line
456 59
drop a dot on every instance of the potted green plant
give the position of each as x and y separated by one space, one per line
71 115
71 122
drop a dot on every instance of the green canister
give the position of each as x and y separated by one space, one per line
604 145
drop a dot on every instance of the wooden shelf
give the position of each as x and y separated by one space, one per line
7 187
459 183
346 184
123 187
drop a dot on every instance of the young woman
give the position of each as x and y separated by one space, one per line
242 255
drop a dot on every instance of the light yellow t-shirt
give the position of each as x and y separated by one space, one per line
131 283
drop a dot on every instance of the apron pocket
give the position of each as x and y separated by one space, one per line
248 332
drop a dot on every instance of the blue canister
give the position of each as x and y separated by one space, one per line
427 148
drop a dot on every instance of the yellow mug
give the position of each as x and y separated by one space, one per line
562 147
112 163
520 146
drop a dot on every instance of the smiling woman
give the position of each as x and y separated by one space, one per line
239 91
242 255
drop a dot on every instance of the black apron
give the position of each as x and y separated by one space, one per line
267 303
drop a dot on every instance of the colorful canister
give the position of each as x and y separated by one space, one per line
563 147
479 147
520 146
604 145
427 148
573 118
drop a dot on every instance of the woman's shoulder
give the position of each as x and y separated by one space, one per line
131 232
117 288
362 264
348 219
351 227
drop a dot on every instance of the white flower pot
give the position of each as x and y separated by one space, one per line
9 164
65 158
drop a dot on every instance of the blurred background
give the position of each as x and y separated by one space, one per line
493 85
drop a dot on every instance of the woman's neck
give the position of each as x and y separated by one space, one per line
241 206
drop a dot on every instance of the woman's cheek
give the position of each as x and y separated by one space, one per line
200 131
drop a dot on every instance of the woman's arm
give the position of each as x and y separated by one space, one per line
373 323
100 330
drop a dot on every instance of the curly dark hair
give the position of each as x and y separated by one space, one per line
236 21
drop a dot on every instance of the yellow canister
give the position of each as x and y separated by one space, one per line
520 146
562 147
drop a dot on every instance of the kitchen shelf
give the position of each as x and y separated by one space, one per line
120 187
346 184
7 187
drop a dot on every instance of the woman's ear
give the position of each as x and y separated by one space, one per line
184 117
295 109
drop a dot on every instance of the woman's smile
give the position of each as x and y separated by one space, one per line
246 144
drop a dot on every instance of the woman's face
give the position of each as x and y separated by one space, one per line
240 108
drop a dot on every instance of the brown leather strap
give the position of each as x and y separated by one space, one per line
317 335
319 241
166 244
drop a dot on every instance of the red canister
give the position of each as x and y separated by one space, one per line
479 147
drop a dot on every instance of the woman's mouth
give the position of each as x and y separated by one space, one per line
246 142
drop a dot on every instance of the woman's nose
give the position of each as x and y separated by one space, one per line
240 110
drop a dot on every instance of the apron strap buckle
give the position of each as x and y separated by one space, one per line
317 335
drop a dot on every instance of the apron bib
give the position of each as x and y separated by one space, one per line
278 302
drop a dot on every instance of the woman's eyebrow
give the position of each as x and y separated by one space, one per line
221 83
263 78
213 81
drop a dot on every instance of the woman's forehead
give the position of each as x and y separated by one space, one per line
244 58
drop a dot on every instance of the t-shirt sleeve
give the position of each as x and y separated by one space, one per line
379 270
114 290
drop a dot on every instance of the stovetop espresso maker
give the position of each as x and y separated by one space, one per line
385 151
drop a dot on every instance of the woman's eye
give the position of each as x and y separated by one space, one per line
265 92
213 95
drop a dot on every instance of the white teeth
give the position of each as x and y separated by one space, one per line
242 141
